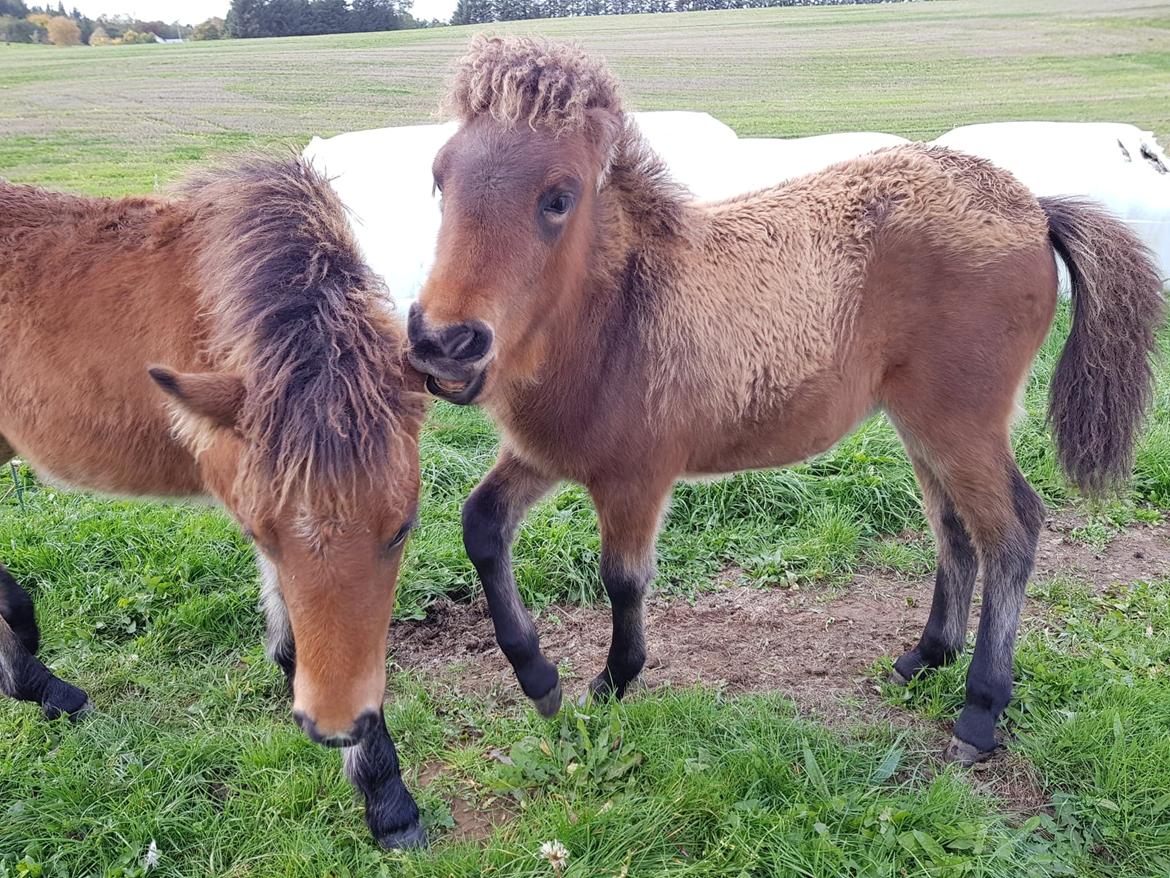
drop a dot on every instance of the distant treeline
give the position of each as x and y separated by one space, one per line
287 18
294 18
482 11
35 24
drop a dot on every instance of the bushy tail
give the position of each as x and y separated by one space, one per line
1104 380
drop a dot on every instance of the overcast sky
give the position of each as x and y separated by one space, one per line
195 11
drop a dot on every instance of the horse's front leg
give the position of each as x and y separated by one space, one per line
391 814
630 513
371 765
22 675
490 518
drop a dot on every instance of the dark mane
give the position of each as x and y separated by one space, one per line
647 191
293 307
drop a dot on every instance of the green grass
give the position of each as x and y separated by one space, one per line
151 607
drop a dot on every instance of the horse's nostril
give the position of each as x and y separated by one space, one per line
466 341
459 342
364 724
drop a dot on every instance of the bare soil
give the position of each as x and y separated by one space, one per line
816 646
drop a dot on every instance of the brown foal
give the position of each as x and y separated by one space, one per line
285 396
623 336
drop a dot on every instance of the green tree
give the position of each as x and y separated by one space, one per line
245 18
376 15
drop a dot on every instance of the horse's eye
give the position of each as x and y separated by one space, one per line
400 537
559 205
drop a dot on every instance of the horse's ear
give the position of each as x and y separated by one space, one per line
217 396
604 126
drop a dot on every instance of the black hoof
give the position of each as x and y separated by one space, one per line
412 837
908 666
548 705
964 754
602 688
61 698
896 679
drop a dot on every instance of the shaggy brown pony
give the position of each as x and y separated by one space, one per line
624 336
285 397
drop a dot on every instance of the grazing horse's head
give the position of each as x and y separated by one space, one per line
519 184
306 427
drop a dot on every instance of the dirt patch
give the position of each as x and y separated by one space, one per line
815 646
474 820
1140 552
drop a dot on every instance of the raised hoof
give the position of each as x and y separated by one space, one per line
548 705
61 698
412 837
964 754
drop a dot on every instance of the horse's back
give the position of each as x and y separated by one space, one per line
91 292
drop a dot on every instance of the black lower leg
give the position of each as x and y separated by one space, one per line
943 638
22 675
989 679
627 649
16 608
488 526
391 814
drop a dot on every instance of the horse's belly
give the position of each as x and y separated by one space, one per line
809 422
111 464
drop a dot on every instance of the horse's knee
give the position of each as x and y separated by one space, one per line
484 526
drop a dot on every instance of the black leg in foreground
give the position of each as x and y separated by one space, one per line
1008 565
490 518
22 675
372 767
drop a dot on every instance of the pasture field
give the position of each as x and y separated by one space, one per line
767 743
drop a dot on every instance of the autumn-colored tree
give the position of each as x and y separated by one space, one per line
99 37
64 31
212 29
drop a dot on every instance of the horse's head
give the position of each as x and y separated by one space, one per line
333 536
519 184
307 430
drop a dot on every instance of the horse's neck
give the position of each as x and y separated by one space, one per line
591 387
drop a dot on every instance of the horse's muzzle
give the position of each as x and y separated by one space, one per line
454 358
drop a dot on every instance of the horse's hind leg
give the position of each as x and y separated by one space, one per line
1003 516
22 675
1005 523
945 634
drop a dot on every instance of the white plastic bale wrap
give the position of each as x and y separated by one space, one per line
384 176
1120 166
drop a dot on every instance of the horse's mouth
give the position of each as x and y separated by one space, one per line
458 392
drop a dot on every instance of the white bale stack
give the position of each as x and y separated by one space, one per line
384 176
